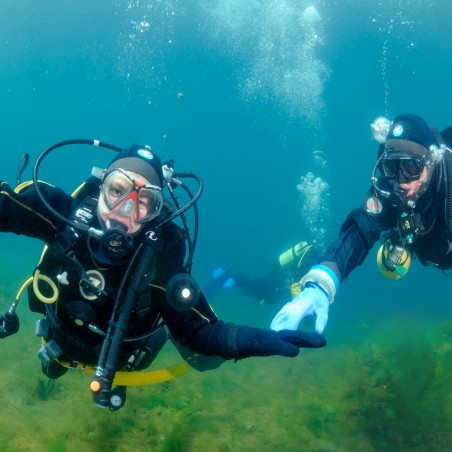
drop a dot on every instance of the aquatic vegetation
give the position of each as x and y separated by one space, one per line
46 388
396 397
388 391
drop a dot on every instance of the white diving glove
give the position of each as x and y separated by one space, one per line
318 289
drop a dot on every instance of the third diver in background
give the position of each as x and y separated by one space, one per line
278 285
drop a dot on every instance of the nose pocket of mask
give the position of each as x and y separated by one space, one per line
127 207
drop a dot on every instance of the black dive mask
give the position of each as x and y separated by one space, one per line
387 184
410 168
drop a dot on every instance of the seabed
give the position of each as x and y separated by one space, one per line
388 391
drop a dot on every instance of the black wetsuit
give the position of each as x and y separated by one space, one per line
362 229
198 328
276 286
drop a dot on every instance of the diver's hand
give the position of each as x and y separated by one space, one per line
312 300
319 287
9 324
256 342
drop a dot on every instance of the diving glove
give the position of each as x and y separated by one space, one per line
231 341
256 342
9 324
319 287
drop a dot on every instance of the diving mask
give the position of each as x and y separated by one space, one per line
129 197
410 167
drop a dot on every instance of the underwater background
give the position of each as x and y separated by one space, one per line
270 103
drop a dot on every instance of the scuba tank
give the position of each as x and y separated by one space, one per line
298 251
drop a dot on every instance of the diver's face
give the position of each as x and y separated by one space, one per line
129 209
407 173
412 187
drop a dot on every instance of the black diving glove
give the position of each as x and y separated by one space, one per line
256 342
9 324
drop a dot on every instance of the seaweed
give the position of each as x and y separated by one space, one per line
47 389
394 398
390 391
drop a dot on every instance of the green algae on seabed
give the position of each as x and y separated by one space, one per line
400 394
388 392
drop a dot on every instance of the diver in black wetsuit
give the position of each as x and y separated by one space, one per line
409 206
278 285
113 280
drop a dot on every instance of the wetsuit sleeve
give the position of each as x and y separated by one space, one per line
22 212
358 234
200 330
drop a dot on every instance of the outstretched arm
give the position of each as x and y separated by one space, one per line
319 286
231 341
22 212
201 331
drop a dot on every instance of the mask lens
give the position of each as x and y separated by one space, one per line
150 202
410 168
389 167
117 185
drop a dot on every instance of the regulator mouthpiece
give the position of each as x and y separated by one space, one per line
115 243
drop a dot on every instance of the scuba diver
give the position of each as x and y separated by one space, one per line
409 206
114 278
278 285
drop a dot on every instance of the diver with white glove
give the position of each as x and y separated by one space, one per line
404 208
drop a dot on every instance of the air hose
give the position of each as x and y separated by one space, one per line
103 379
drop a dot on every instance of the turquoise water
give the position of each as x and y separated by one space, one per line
251 96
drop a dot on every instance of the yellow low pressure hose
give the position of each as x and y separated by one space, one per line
35 280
